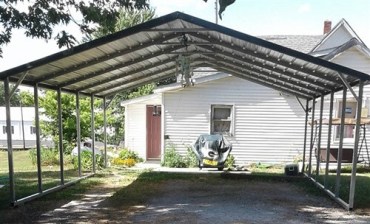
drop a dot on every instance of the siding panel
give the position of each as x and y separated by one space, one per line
268 127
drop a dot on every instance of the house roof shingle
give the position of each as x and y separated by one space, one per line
302 43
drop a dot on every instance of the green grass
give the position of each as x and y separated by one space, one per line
136 186
26 178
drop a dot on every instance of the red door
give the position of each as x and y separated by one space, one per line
153 132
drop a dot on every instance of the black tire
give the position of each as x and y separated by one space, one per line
220 168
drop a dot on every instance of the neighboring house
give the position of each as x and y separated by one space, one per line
17 131
263 125
20 136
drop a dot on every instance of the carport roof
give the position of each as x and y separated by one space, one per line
148 53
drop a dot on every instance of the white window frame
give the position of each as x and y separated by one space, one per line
230 118
32 130
338 108
4 129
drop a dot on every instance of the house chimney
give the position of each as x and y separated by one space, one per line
327 26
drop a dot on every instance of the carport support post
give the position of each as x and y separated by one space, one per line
340 148
38 143
312 130
105 130
355 149
319 138
305 137
9 138
93 132
329 140
60 125
78 128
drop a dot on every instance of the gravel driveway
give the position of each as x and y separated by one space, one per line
217 201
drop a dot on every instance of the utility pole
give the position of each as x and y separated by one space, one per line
216 10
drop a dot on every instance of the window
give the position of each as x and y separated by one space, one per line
4 129
221 119
351 110
33 130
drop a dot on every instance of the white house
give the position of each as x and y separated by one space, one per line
27 114
263 125
23 128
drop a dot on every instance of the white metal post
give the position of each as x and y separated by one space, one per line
105 131
312 137
60 126
329 139
9 140
340 148
355 148
305 137
38 143
78 128
93 132
319 138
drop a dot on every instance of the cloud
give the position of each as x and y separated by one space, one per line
304 8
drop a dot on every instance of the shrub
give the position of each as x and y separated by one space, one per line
48 156
173 159
87 161
129 154
67 147
191 159
230 161
124 162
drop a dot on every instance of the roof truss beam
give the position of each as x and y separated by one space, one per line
143 76
97 60
265 79
268 85
125 74
122 89
265 75
285 73
261 56
120 65
348 86
126 82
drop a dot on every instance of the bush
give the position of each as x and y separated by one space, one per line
230 162
124 162
129 154
173 159
191 159
87 161
49 157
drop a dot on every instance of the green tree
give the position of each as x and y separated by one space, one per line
40 17
49 126
127 18
14 100
26 98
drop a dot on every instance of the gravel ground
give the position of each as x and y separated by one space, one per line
221 201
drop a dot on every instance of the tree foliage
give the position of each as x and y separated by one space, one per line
14 100
223 4
49 125
39 18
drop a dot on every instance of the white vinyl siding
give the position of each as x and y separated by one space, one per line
135 125
268 127
135 128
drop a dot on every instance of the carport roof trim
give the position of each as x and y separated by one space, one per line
150 26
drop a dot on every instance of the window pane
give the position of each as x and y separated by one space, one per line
221 126
221 113
348 131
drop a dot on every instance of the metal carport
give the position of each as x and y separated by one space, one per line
149 52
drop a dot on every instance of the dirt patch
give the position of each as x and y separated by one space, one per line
203 199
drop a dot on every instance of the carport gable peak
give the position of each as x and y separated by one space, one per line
203 36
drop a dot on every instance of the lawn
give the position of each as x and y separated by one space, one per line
25 176
26 180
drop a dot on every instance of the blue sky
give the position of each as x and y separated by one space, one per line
254 17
